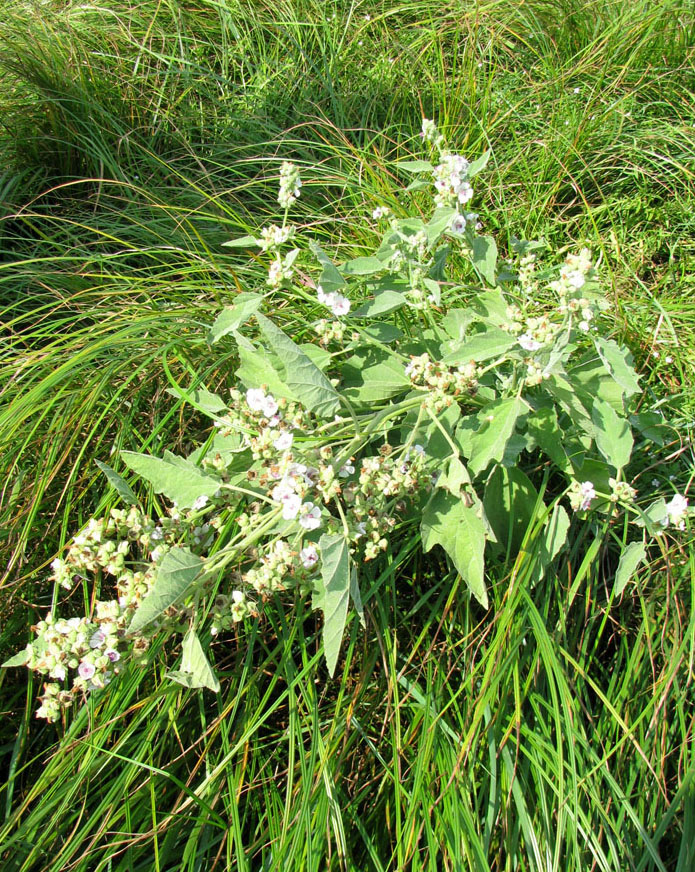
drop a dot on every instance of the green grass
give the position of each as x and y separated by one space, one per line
554 733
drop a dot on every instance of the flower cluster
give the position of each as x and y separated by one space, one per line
581 495
451 182
676 511
337 303
435 375
290 183
329 331
273 237
282 269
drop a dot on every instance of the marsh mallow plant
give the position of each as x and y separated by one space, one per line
427 405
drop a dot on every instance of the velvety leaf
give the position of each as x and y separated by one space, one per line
554 535
331 280
205 401
175 477
176 573
335 576
478 164
449 522
381 304
484 257
306 381
195 669
613 437
18 659
257 371
542 425
242 242
439 223
233 317
362 266
118 483
509 501
356 596
491 343
618 362
368 382
489 441
630 559
415 166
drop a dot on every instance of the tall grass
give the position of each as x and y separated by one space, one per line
555 734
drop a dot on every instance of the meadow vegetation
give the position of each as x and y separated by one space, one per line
543 722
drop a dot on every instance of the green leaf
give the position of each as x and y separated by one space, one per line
306 381
175 575
120 484
542 425
654 518
175 477
509 501
554 536
370 378
234 316
492 342
456 479
415 166
330 280
489 441
458 528
242 242
492 307
257 371
362 266
478 164
613 437
205 401
381 304
439 223
630 559
385 333
617 361
484 257
195 669
336 578
438 446
356 596
18 659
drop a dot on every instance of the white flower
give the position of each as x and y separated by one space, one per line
339 304
310 517
584 326
380 212
113 655
86 669
464 192
361 529
255 398
269 406
458 224
291 505
200 502
284 441
677 510
528 343
588 494
97 639
309 556
346 470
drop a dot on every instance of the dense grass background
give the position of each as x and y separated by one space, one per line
554 733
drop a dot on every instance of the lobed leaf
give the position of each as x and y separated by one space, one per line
459 529
176 573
